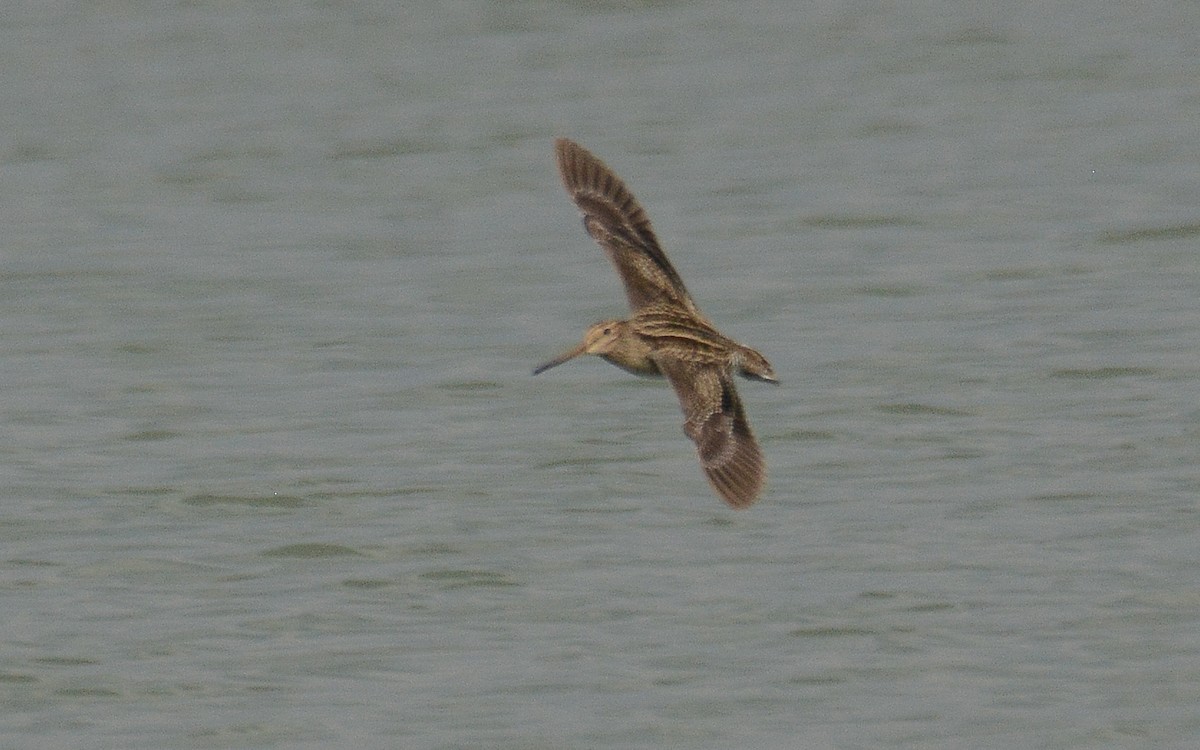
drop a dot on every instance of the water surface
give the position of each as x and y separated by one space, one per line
277 475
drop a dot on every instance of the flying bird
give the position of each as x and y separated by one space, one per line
667 335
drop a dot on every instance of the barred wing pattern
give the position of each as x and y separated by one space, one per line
716 422
613 217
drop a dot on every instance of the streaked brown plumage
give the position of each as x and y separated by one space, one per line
667 335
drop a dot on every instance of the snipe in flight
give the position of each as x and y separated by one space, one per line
667 335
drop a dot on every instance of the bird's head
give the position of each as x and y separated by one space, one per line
600 339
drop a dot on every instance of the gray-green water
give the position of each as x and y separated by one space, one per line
275 472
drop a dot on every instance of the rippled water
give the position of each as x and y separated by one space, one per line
274 276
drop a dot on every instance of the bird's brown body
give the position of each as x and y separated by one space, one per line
666 335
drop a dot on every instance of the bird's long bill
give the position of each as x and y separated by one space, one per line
560 359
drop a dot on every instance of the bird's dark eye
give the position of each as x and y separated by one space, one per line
607 331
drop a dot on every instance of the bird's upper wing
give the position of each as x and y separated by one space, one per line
715 420
612 216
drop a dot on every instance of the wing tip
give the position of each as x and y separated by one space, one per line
739 477
584 174
739 487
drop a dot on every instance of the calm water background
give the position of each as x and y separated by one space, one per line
275 472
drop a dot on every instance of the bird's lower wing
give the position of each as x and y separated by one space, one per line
716 422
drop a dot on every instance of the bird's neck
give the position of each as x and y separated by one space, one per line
637 362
